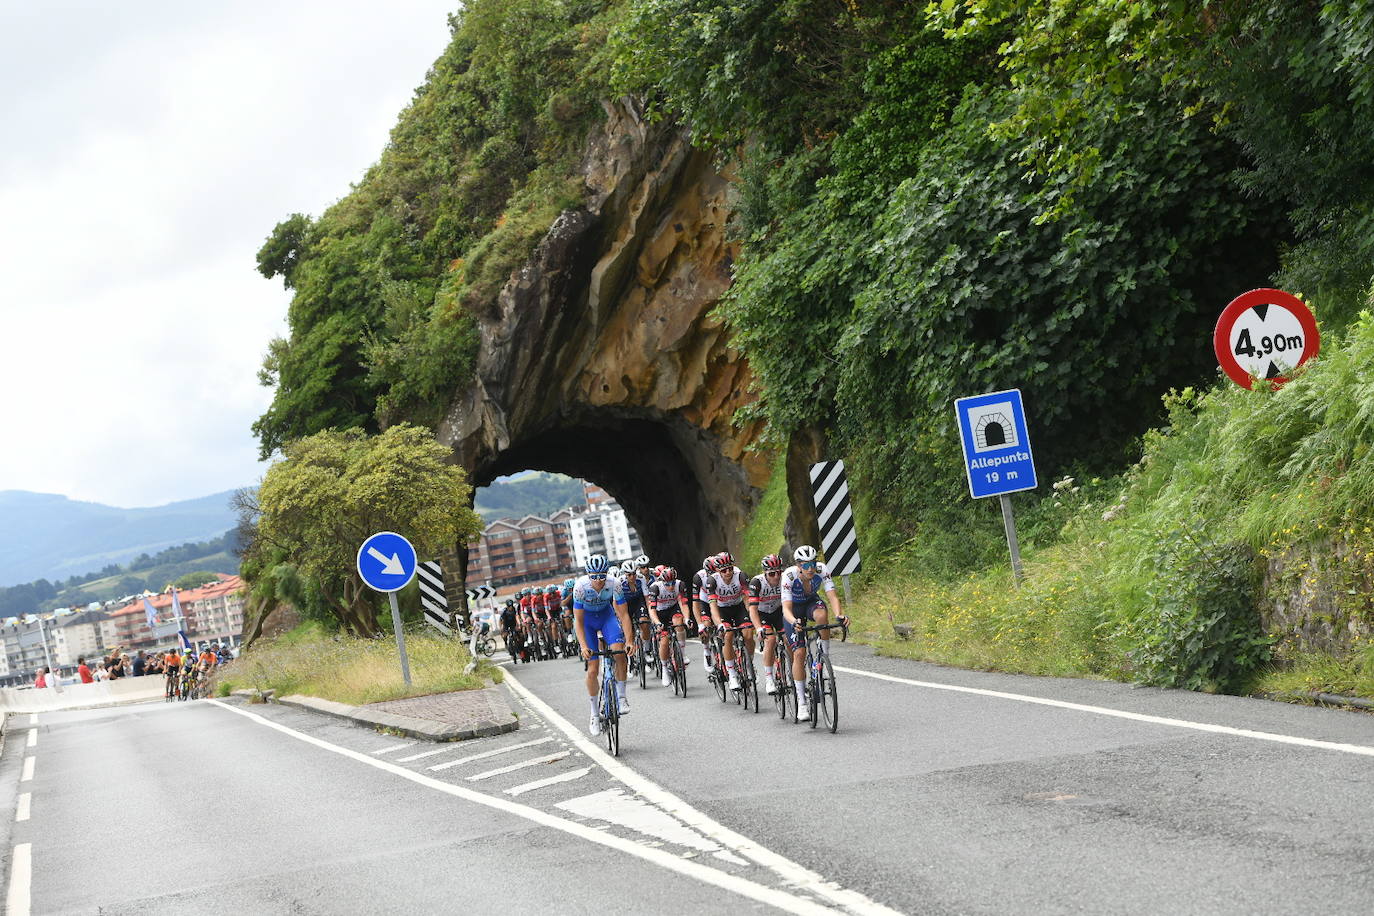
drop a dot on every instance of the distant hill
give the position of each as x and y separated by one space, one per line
527 494
45 536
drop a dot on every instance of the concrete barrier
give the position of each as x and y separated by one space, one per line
82 696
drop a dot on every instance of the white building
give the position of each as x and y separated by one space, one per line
605 530
87 634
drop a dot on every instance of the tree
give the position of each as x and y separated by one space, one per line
337 487
196 579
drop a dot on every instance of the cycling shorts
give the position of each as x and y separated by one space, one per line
735 614
665 615
637 607
802 610
604 622
772 619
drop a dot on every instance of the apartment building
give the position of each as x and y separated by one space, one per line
603 529
85 634
528 549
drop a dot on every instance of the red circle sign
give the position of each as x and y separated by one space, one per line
1264 334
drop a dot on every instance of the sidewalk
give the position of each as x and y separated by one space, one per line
456 716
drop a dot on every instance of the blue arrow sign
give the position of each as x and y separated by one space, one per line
386 561
997 452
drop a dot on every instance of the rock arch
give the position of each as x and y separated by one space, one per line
600 358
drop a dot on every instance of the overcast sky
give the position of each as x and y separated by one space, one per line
146 151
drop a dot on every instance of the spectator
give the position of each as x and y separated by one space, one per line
82 671
101 675
42 680
54 678
115 665
139 664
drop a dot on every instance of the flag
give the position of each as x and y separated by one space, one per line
152 612
185 641
176 604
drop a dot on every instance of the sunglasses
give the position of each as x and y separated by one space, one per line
597 578
773 572
808 566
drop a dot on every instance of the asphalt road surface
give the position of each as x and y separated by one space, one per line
944 791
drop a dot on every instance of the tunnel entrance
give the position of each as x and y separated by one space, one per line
682 503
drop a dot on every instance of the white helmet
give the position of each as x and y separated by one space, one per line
804 554
627 567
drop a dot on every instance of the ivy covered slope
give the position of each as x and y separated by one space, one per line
478 165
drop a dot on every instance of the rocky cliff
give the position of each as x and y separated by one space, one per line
600 358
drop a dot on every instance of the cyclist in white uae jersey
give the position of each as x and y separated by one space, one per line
725 594
765 607
806 591
599 609
702 608
668 601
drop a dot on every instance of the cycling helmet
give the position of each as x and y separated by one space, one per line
711 564
596 565
641 562
724 559
510 602
627 567
551 590
804 554
667 573
569 583
772 563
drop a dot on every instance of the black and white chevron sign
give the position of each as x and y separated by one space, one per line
830 490
480 592
432 596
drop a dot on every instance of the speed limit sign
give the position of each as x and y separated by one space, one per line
1264 334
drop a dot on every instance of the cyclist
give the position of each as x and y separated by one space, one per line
635 604
765 608
807 591
553 606
510 625
669 602
725 594
702 608
171 668
599 610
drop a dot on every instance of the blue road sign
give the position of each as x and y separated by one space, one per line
997 452
386 561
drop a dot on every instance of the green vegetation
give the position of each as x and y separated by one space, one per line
333 490
934 200
313 661
764 534
534 494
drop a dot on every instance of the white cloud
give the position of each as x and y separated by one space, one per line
148 150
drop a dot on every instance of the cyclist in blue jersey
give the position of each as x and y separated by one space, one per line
806 591
599 609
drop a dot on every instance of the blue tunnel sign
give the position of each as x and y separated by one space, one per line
997 452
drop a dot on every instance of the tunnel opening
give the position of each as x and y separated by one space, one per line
679 495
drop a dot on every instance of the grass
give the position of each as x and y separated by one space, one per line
764 534
311 661
1309 672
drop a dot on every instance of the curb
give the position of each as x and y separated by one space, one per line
409 726
1326 699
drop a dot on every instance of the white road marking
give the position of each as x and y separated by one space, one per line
485 754
1122 714
423 754
615 806
783 900
28 770
534 761
21 813
552 780
396 747
792 873
33 718
21 874
33 737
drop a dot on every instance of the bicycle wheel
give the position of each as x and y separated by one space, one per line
718 675
643 658
813 691
612 721
748 685
679 669
828 695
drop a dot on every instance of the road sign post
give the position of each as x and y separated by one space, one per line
386 562
997 455
835 519
1265 334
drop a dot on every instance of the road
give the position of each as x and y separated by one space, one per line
944 791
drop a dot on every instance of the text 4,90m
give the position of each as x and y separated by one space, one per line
1278 343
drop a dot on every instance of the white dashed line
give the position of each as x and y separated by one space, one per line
22 812
33 737
423 754
33 719
21 873
535 761
395 747
28 770
1122 714
485 754
552 780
